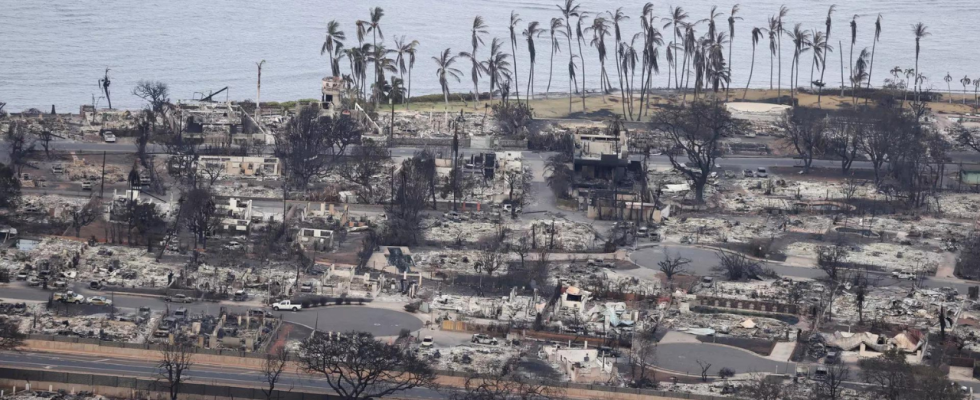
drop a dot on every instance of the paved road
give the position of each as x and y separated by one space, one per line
377 321
703 260
199 373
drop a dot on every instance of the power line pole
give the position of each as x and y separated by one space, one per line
102 188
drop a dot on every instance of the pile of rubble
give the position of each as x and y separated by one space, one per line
474 358
888 256
728 324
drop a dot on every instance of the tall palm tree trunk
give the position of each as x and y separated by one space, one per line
581 57
751 70
871 68
551 72
779 79
619 75
517 81
840 45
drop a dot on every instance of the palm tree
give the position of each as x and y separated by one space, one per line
859 74
965 82
600 29
530 33
820 46
379 57
976 98
445 71
628 59
874 44
479 28
676 21
514 20
497 67
801 43
731 38
405 59
556 25
756 37
827 23
850 61
569 10
779 31
919 30
773 45
650 55
580 37
331 43
616 18
372 26
949 78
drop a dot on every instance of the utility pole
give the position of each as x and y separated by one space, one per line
102 188
258 91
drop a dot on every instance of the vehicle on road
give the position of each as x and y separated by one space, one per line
178 298
480 338
109 138
286 305
33 281
240 296
86 185
99 301
903 275
427 342
69 297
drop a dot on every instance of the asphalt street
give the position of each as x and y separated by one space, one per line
198 373
378 321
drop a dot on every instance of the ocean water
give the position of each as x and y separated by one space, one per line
54 52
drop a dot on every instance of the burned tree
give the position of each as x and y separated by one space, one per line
9 187
491 256
211 172
737 267
273 368
181 160
154 92
844 135
200 215
705 366
505 383
174 364
82 216
831 387
311 145
104 84
364 166
21 144
560 176
696 132
410 195
832 260
10 336
673 266
357 366
806 130
968 261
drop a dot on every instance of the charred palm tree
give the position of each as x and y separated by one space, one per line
949 89
828 23
874 44
599 30
533 30
404 60
568 10
773 46
731 38
580 37
860 73
556 31
676 22
514 20
476 39
965 82
757 35
616 18
780 30
920 31
801 43
850 60
373 26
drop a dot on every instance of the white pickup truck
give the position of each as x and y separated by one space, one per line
286 305
69 297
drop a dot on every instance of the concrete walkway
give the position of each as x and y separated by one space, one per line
782 351
679 337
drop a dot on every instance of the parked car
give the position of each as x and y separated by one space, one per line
761 173
86 185
109 138
178 298
58 169
286 305
427 342
240 296
747 173
22 276
69 297
33 281
99 301
480 338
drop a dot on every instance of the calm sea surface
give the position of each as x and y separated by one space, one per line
54 52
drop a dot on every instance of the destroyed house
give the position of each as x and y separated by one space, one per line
315 239
238 166
603 169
